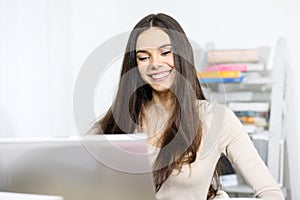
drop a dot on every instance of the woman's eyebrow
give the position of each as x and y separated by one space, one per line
141 51
165 45
160 47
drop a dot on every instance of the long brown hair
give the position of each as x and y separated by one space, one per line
182 137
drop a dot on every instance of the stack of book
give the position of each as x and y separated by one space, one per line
250 102
253 115
231 65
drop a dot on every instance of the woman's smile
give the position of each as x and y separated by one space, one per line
160 76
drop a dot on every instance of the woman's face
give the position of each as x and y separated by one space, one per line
155 60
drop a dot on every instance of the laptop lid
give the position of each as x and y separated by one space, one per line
95 167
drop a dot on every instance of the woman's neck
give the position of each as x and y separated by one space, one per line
157 112
165 99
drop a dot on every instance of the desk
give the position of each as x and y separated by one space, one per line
21 196
241 198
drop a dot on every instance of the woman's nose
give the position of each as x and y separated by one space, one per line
156 60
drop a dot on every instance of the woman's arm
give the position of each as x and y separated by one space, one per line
240 150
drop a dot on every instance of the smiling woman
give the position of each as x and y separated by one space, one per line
159 94
155 59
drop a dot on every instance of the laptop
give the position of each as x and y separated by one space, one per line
98 167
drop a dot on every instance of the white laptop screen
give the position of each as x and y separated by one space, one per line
98 167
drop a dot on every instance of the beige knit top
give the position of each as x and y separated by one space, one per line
223 133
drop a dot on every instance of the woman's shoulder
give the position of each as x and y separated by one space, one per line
207 108
94 130
205 105
213 116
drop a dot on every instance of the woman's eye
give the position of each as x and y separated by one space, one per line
142 58
164 53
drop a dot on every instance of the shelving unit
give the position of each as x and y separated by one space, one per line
269 88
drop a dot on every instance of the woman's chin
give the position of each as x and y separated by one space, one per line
161 87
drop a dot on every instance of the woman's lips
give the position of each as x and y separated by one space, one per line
160 76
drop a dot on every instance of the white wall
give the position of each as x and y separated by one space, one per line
34 68
44 43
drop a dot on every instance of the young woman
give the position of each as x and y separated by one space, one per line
159 94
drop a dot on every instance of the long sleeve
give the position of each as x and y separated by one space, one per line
239 149
222 132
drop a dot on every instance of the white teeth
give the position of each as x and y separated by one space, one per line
161 75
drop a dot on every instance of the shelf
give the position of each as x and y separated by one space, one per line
244 190
266 86
241 188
